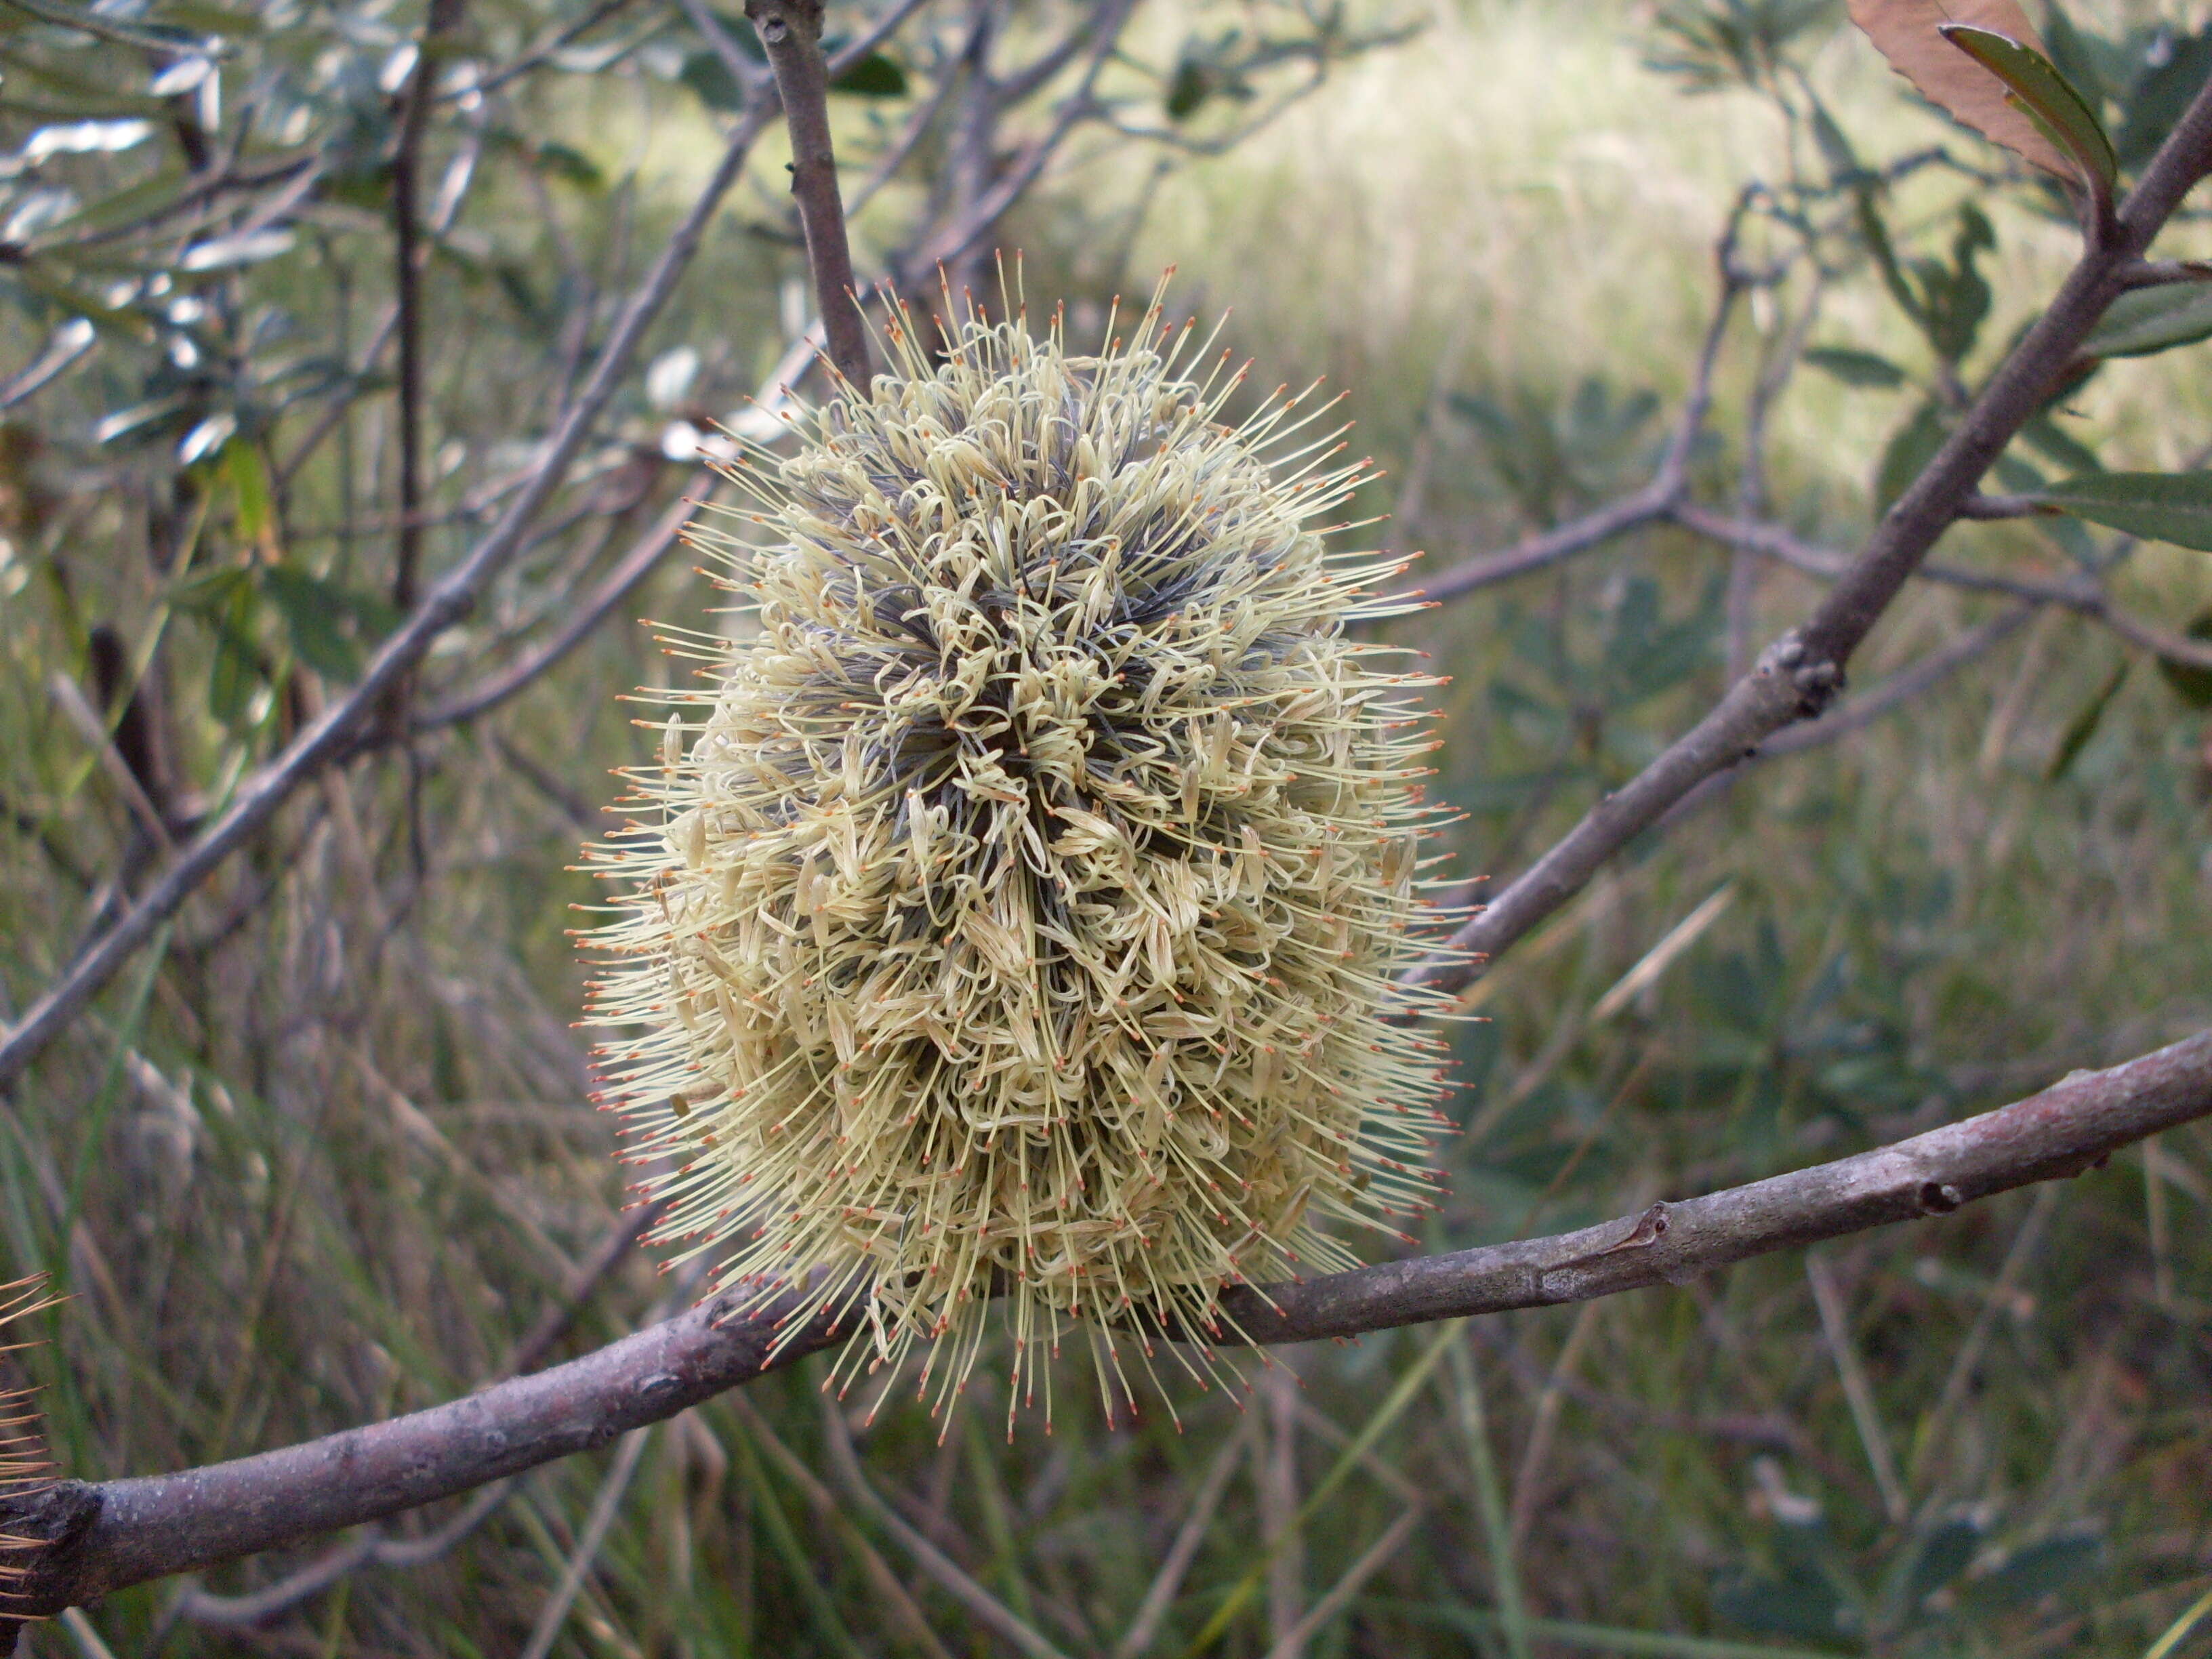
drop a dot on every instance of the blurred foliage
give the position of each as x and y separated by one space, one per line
327 1154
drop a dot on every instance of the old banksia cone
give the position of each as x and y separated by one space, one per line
1023 906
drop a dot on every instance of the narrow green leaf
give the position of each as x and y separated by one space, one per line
250 480
2192 684
1855 368
876 76
2083 727
2159 506
315 619
706 74
234 673
2048 98
571 166
2150 319
1908 454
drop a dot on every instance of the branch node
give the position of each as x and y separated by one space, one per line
1939 1198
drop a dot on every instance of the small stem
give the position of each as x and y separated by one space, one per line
791 30
407 279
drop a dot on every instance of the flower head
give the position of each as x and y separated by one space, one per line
1026 903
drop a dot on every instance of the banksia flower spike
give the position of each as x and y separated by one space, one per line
25 1469
1028 894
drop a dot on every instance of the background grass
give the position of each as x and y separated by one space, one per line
330 1155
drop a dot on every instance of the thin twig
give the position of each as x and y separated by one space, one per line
2080 595
1937 1424
990 1611
791 30
1371 1562
1174 1566
1655 500
1544 1425
823 1502
604 1505
1858 1393
452 597
414 99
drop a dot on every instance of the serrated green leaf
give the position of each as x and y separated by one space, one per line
2192 684
1855 368
876 76
2083 727
2159 506
2048 97
1907 455
2150 319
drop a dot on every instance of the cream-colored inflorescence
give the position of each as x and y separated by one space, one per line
1023 911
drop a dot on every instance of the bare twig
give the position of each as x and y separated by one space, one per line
1864 708
101 1538
2081 595
791 30
604 1505
990 1611
1937 1425
1174 1566
536 55
824 1501
1835 1328
414 99
1371 1562
1528 1477
634 567
1655 500
272 1600
332 734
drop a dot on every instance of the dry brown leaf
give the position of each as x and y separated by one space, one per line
1904 31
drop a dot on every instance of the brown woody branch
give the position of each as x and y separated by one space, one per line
791 30
84 1540
1801 673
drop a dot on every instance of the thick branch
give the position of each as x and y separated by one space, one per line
125 1532
791 32
1797 676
